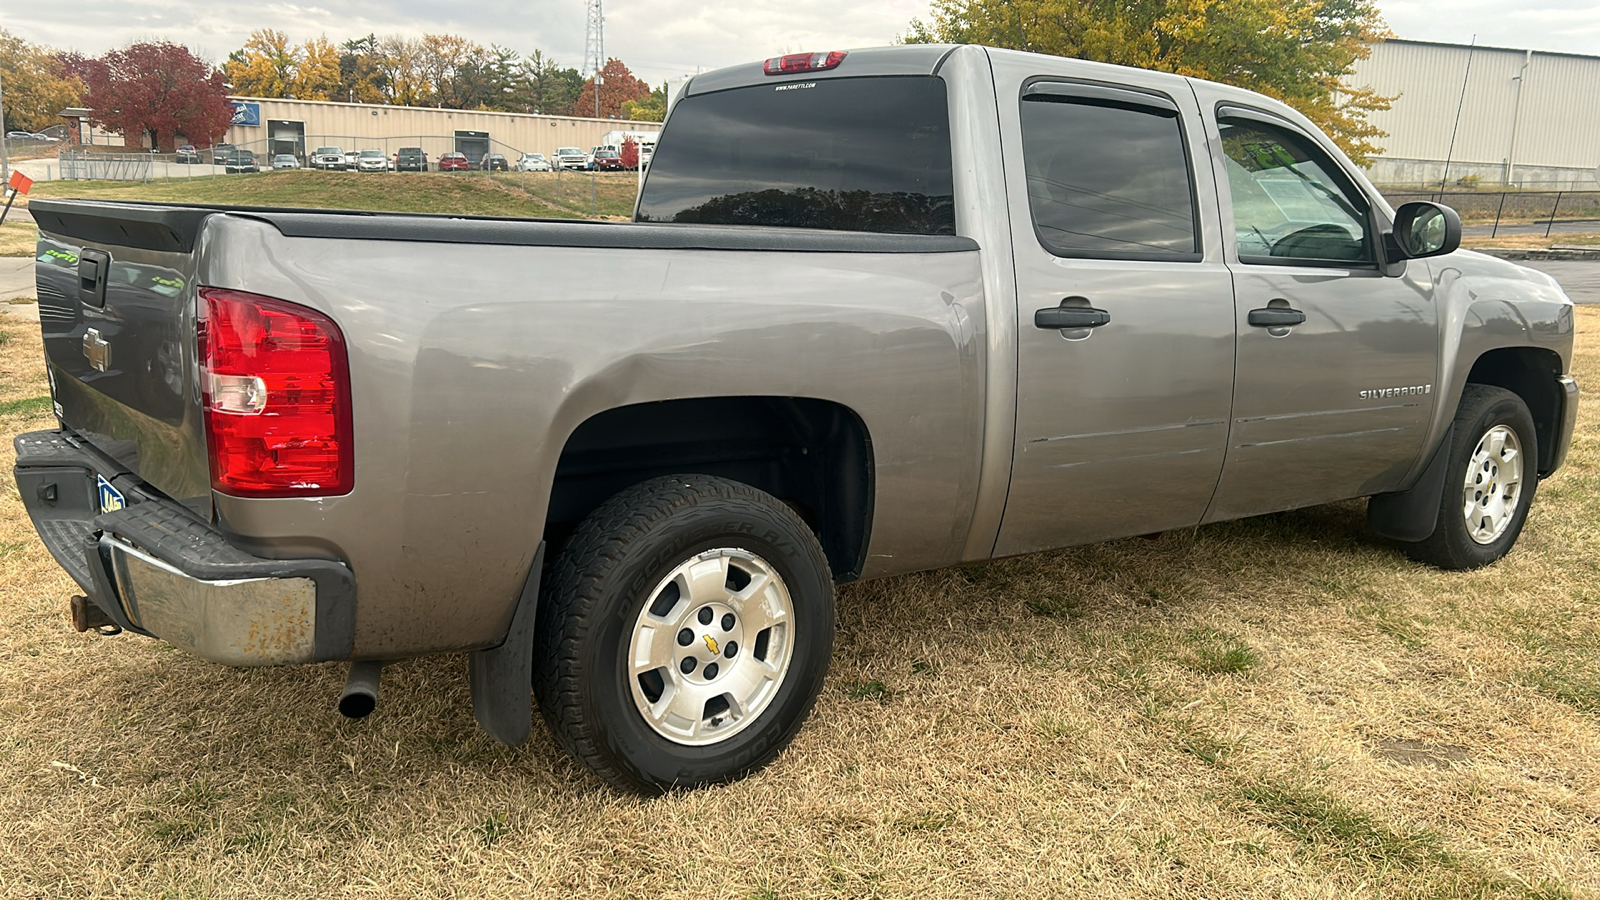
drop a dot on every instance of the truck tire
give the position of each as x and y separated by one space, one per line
683 634
1489 482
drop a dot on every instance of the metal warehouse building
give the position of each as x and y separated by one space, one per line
1527 117
270 126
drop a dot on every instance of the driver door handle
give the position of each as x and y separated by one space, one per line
1275 317
1055 317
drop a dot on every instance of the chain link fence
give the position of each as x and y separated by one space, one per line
1558 211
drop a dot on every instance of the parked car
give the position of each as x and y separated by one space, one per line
371 161
351 159
285 161
494 162
608 161
328 158
219 153
187 154
411 159
533 162
454 162
41 136
237 161
628 463
571 158
19 135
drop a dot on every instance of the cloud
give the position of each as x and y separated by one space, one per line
1565 26
659 39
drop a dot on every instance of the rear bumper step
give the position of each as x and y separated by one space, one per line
154 567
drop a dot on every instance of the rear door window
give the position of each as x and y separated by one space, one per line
1107 174
853 154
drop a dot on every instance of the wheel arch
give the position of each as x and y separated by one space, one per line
813 454
1531 373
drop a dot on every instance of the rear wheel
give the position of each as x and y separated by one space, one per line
684 633
1489 484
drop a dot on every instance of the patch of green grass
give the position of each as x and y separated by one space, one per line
1202 744
27 406
18 238
492 829
926 821
1329 825
1055 606
1213 652
1571 685
866 690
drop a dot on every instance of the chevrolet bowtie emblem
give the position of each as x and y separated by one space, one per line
712 643
96 350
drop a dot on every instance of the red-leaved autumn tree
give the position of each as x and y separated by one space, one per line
629 153
617 86
159 89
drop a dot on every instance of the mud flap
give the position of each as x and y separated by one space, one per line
502 677
1412 515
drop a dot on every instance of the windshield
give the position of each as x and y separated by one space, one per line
568 151
858 154
329 150
371 154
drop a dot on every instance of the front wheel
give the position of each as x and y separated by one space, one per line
1489 485
684 633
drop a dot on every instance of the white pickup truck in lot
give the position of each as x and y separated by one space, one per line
879 312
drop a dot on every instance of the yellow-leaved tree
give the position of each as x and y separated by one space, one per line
265 66
1294 50
317 75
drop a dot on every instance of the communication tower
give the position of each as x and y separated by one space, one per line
594 54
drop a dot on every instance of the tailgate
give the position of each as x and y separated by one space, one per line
116 285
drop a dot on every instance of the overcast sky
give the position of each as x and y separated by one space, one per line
659 39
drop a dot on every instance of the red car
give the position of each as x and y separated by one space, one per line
608 160
454 161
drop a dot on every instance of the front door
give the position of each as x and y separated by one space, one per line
1336 358
1125 307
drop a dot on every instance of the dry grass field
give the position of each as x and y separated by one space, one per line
1282 707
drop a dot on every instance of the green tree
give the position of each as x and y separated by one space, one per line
1294 50
360 80
37 86
547 87
649 109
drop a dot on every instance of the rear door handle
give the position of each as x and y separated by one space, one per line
1275 317
1057 317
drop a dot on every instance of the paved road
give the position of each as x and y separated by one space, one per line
1574 226
1579 277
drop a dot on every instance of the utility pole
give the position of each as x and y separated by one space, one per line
5 161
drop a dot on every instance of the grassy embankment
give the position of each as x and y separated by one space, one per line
530 195
1279 707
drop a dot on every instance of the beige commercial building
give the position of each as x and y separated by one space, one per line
1490 114
270 127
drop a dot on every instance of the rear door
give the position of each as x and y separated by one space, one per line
1336 357
1121 425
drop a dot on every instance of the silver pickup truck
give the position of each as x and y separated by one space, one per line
881 311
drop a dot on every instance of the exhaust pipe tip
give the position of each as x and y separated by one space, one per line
360 695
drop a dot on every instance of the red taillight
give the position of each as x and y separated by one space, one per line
276 386
802 62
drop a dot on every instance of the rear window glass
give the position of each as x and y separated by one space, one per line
849 154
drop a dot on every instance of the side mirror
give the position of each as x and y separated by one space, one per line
1423 229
